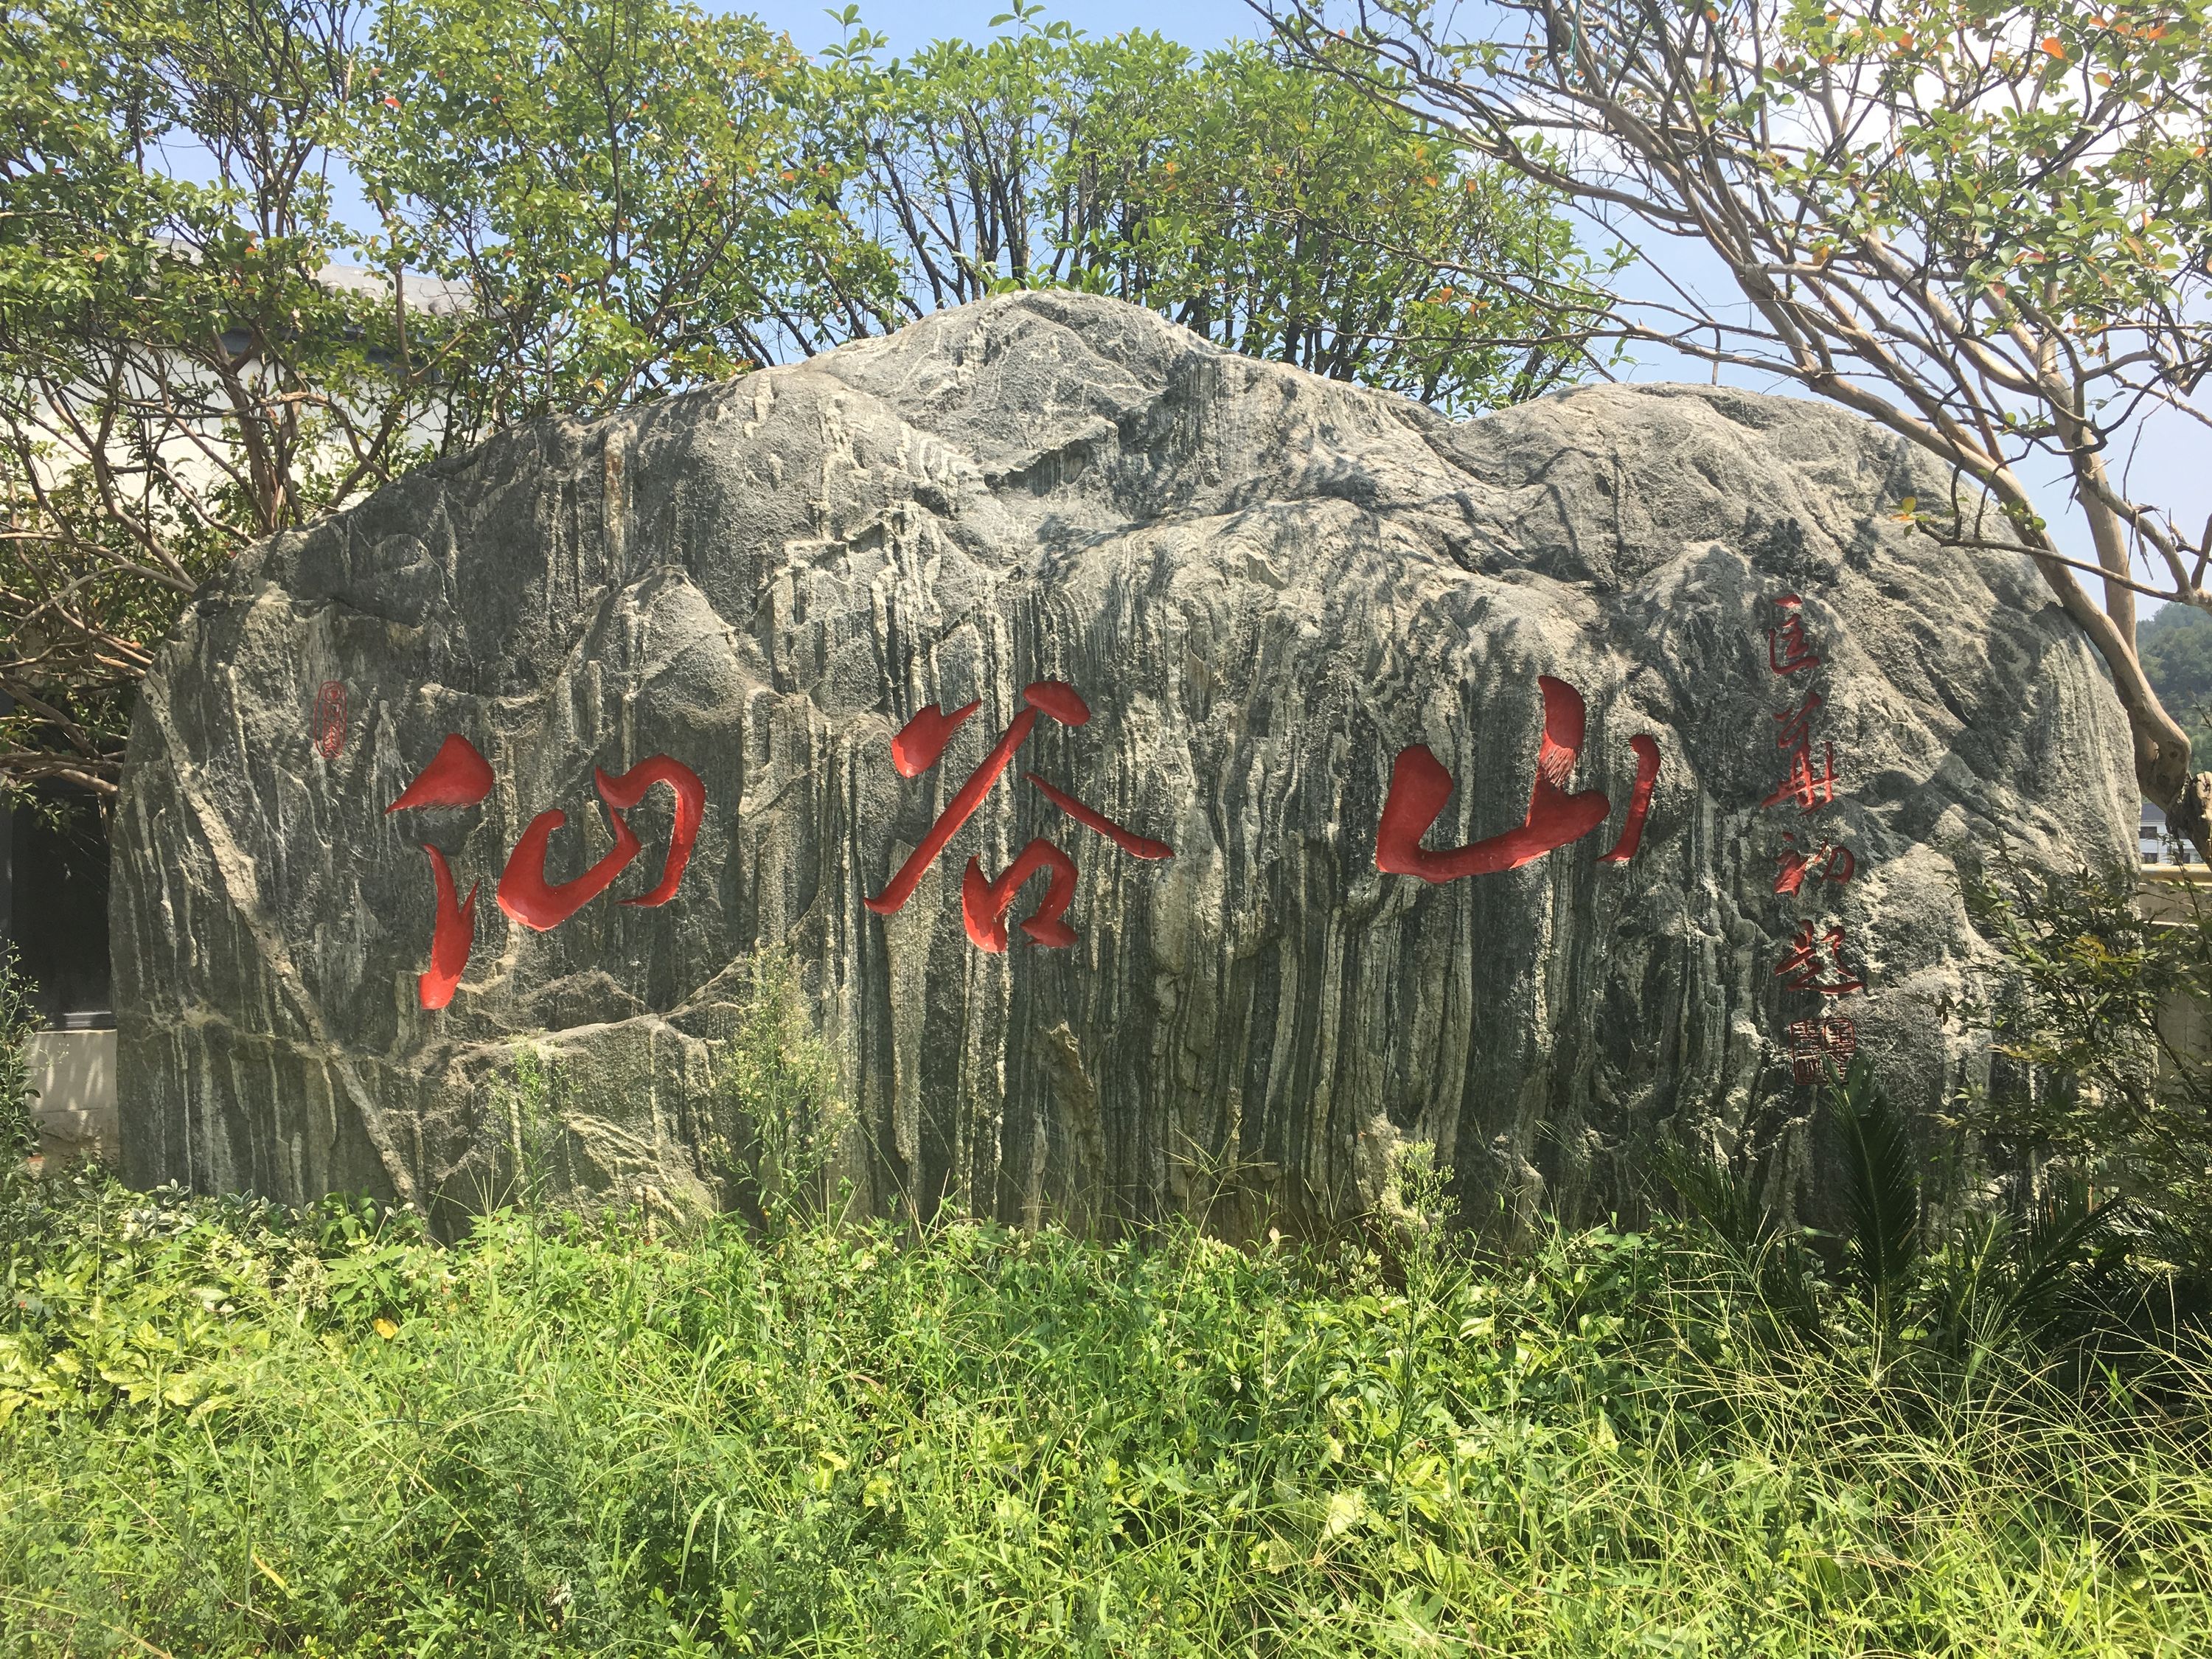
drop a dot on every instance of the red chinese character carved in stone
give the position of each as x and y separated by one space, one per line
1787 649
527 895
1811 786
1812 1042
1826 862
1420 784
452 936
1796 724
984 902
456 776
1801 969
460 776
1646 749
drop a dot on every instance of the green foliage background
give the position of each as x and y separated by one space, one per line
2175 644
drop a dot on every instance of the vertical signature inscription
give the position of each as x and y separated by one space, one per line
330 719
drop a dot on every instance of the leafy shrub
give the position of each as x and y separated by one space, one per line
561 1438
2103 1092
163 1299
19 1134
1951 1293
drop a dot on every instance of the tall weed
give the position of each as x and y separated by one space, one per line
782 1126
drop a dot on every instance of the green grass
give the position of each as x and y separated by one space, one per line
577 1439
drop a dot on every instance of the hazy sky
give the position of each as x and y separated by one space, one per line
911 23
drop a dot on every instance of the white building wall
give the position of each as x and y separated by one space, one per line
73 1073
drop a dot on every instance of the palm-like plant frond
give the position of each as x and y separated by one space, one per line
1883 1247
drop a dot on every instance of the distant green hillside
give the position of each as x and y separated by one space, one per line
2176 647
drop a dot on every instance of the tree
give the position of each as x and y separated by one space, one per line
635 196
176 379
1280 213
183 370
2109 1090
1985 226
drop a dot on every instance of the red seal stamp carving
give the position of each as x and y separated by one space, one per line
330 719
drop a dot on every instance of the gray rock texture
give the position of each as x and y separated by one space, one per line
1265 586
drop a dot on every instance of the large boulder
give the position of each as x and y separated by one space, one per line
1274 594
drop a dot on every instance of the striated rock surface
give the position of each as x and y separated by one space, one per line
1266 587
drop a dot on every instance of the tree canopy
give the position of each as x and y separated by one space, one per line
1281 213
176 378
635 196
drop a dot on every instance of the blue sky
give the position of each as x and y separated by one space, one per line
911 23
